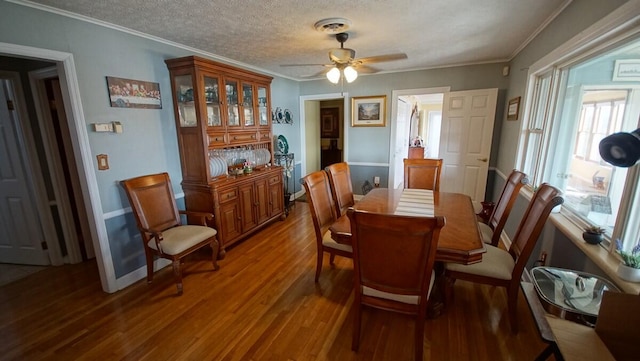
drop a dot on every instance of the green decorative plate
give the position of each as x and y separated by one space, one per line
283 145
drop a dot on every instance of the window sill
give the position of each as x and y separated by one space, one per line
606 261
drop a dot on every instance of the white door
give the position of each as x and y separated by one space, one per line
20 235
401 142
465 141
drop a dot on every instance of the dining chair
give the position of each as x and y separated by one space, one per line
504 268
323 213
393 259
492 230
158 220
341 188
422 173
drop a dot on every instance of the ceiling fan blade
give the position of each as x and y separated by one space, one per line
381 58
366 69
320 74
325 65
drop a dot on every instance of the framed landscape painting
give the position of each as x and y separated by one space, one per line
369 111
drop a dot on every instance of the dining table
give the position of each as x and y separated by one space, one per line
460 240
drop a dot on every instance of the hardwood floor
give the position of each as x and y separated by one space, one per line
261 305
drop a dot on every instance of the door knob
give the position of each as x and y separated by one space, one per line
483 159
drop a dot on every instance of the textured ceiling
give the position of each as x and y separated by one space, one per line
265 34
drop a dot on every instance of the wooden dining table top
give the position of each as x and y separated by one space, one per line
460 240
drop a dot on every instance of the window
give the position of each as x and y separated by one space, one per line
598 118
574 104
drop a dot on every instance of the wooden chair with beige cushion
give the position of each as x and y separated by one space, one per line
158 220
393 260
492 230
504 268
341 188
323 213
422 173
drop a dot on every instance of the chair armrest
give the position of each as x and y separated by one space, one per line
157 236
204 216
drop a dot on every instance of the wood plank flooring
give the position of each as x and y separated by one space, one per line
261 305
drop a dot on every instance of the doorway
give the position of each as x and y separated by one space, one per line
466 128
82 158
56 222
311 129
416 113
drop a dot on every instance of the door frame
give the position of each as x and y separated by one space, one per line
50 145
65 65
395 94
303 129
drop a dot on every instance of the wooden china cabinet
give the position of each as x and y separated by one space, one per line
223 123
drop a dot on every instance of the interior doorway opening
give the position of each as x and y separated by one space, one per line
48 164
317 129
83 159
417 120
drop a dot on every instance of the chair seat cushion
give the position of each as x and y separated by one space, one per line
180 238
329 242
409 299
486 232
496 263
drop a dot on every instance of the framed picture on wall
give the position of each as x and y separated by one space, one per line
368 111
513 109
329 123
129 93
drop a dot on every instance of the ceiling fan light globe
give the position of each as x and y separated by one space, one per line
333 75
350 74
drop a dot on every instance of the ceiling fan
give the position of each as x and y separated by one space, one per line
345 65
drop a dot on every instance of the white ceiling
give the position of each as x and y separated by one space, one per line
265 34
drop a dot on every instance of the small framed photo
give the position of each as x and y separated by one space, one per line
329 123
513 109
369 111
129 93
626 70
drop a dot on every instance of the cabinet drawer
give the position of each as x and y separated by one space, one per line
265 136
216 139
227 195
274 179
242 137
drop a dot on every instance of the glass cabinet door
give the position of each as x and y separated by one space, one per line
263 107
233 111
184 100
247 104
212 101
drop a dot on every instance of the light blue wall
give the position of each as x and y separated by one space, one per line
284 95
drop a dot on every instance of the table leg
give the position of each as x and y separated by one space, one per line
435 306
